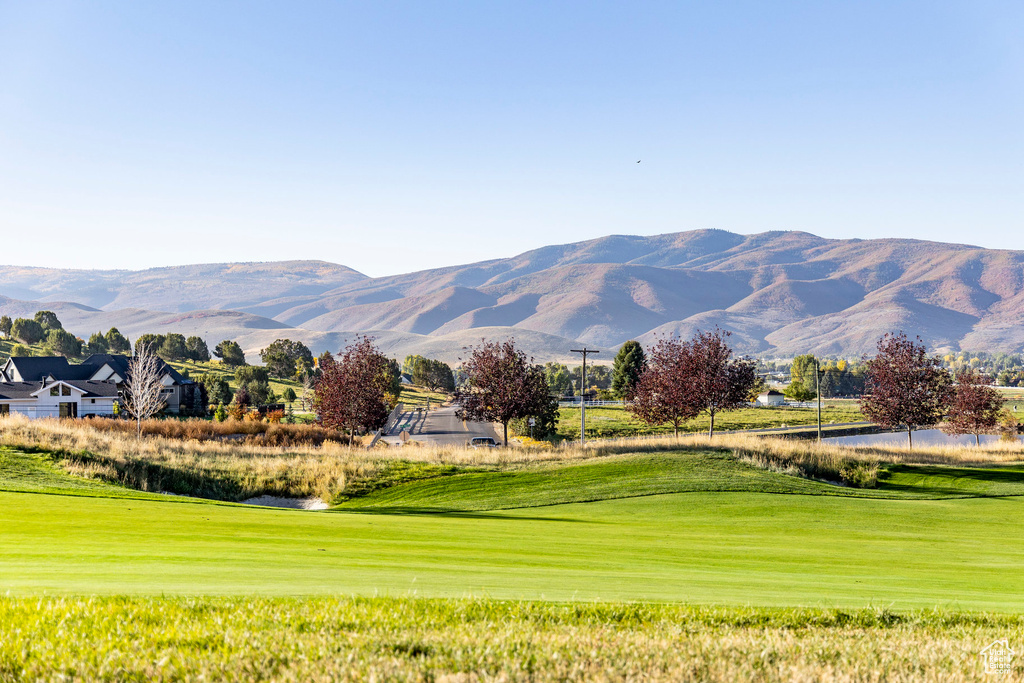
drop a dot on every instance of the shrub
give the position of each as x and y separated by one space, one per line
860 475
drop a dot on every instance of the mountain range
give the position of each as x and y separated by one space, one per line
779 293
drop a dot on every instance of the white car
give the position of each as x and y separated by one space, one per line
483 442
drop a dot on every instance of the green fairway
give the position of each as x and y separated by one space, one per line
703 547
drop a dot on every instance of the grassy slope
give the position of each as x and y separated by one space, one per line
743 547
36 473
689 472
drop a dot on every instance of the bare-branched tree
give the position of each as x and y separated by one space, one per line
142 397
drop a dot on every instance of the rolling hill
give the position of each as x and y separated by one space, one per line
779 293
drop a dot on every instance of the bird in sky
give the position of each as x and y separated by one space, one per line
638 161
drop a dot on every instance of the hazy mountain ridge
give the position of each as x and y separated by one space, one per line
780 293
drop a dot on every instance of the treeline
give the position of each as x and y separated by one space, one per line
46 329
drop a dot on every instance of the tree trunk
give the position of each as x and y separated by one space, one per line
676 425
977 440
504 426
711 427
910 436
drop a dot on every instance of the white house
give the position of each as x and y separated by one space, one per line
52 387
58 398
771 398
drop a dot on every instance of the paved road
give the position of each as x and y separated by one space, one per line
439 426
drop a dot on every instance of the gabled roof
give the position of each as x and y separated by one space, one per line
13 391
35 368
119 364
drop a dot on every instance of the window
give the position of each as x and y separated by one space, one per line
5 409
54 391
65 391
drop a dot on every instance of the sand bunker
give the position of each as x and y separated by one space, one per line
293 503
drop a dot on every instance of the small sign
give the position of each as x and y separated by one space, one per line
533 421
404 436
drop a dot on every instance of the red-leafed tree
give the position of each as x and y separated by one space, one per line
352 391
904 386
502 385
685 379
661 394
716 380
975 406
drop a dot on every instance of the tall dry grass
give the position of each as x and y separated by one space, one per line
269 433
225 470
240 469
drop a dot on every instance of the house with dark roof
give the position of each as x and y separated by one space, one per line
53 387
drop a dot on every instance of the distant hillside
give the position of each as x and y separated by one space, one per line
177 288
780 293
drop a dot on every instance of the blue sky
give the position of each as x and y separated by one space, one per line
394 136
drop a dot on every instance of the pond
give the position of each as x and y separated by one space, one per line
922 437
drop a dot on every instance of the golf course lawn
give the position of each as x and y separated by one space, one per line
703 547
679 566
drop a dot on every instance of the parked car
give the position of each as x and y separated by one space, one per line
483 442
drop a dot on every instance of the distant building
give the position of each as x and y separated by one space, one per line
771 398
53 387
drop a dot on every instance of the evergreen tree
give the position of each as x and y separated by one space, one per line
59 342
27 331
196 349
98 343
629 364
48 320
230 352
117 343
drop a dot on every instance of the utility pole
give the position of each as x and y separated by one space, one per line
583 389
817 390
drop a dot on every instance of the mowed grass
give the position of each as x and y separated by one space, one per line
683 566
616 421
160 639
691 471
754 537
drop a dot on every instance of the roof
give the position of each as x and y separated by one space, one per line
96 389
12 391
772 392
120 365
35 368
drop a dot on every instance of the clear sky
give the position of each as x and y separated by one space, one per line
393 136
